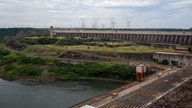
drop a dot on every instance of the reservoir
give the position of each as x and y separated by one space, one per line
56 94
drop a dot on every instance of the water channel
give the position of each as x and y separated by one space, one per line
57 94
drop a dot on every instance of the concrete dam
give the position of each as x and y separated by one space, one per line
182 37
142 36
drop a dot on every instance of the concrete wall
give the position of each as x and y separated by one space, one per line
137 56
175 58
168 37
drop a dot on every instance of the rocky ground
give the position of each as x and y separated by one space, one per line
181 97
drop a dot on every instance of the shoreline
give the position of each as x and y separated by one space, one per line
90 79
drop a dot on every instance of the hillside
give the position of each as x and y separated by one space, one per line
12 32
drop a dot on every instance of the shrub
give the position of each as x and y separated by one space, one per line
25 59
70 75
38 60
29 70
165 62
7 60
3 52
9 67
120 71
92 69
190 49
59 64
70 41
46 40
30 41
32 60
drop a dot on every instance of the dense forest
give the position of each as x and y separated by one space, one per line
9 32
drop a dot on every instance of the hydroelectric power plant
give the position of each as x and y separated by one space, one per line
144 94
145 36
153 37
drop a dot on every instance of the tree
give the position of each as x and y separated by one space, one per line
165 62
190 49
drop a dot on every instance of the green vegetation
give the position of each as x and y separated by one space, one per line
29 41
92 69
60 44
3 52
15 65
40 40
7 32
38 44
163 62
47 40
24 70
70 41
52 50
190 49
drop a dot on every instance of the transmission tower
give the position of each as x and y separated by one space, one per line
83 22
95 22
128 22
103 26
112 22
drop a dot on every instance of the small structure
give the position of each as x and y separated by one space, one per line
87 106
114 95
176 59
51 30
140 72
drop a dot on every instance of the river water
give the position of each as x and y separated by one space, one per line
57 94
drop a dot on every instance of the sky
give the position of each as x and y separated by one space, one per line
96 13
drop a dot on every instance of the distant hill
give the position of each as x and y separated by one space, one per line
16 32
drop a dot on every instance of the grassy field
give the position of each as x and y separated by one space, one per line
53 50
119 47
122 49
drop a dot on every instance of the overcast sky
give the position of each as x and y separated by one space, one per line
68 13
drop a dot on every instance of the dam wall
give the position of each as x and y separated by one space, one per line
165 37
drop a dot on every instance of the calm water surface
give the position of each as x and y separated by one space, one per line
57 94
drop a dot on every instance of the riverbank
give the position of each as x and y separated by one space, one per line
15 65
98 100
38 80
62 94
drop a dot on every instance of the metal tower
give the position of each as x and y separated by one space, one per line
128 22
95 22
103 26
83 22
112 22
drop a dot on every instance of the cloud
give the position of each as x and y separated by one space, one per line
64 13
181 4
114 3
